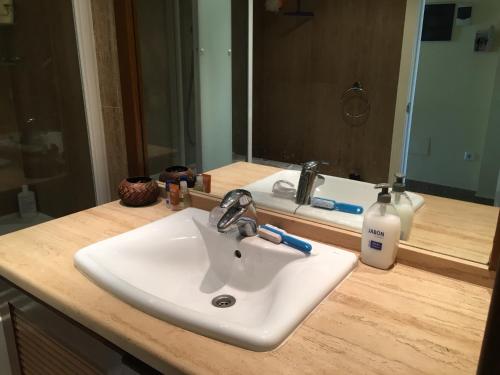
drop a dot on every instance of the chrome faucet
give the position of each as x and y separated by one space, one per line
240 210
309 180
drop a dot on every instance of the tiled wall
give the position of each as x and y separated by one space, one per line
109 77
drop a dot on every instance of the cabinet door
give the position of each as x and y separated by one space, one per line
33 350
39 340
36 339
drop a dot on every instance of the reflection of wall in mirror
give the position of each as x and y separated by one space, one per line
214 29
410 34
303 65
490 163
457 109
157 54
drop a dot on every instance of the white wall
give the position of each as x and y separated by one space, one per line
214 22
452 104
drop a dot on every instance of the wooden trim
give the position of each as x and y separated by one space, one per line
495 252
456 268
131 86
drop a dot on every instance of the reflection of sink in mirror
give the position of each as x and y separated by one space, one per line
338 189
175 268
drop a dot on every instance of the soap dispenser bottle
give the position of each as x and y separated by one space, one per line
403 206
381 231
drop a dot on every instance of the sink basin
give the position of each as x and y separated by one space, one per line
339 189
173 269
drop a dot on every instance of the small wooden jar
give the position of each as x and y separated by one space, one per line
138 191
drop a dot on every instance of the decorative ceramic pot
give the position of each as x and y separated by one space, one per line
176 172
138 191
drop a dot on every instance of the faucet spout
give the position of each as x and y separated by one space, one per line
309 180
240 211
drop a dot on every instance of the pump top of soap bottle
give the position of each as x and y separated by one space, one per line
399 191
399 185
384 196
403 205
383 205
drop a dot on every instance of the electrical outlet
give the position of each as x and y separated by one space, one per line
468 156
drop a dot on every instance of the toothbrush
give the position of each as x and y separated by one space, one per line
329 204
283 237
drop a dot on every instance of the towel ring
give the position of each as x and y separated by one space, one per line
355 105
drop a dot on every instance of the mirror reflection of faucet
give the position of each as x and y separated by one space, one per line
309 181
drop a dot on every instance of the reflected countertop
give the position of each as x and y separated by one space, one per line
447 226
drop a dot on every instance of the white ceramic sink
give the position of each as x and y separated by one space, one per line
174 267
339 189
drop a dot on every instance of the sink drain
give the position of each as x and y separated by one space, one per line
224 300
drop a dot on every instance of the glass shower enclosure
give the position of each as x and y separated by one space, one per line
44 142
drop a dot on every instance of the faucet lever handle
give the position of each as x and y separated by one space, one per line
237 198
310 165
240 210
314 165
230 216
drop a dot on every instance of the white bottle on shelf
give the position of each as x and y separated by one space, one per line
381 231
185 197
198 185
27 203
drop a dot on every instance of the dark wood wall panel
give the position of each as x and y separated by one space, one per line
303 65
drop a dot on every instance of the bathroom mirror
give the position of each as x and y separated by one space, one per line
353 84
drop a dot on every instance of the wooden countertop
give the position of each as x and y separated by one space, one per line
402 321
447 226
